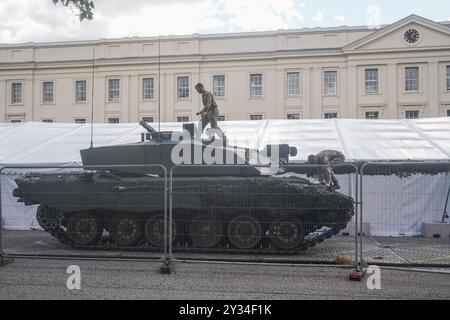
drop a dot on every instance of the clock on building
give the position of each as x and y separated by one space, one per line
412 36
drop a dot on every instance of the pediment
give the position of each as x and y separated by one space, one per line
392 38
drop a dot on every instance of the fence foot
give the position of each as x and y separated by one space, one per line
5 261
357 275
168 266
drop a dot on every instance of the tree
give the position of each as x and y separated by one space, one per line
84 7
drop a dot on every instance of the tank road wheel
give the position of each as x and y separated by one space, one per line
84 229
244 232
126 230
286 234
154 231
205 233
48 218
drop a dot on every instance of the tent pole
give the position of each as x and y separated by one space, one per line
445 214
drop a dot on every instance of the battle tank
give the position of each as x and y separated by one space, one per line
243 207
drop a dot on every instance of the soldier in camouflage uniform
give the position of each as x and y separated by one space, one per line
328 157
210 111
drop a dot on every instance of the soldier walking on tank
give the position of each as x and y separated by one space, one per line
210 112
328 157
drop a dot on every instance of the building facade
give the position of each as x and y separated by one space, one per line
398 71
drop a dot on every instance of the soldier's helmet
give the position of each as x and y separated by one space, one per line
200 86
312 159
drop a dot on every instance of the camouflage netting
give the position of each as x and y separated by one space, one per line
402 170
269 193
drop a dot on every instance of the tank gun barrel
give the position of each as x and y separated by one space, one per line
147 127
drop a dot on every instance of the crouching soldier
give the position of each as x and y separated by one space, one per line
328 157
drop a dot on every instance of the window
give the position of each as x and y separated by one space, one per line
16 93
412 79
80 91
372 115
293 116
219 86
448 113
183 87
447 78
148 89
330 83
47 94
16 121
183 119
256 117
256 85
113 120
221 118
371 80
114 90
47 120
412 114
330 115
293 83
147 119
80 120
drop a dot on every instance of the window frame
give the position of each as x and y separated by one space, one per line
298 87
108 120
217 97
334 113
447 78
78 101
251 86
411 91
188 88
336 85
371 81
118 90
372 112
44 93
288 116
185 116
406 112
75 120
152 88
256 115
144 117
13 83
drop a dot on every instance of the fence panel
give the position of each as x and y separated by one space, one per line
237 216
403 206
92 212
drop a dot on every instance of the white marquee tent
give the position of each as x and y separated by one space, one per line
58 144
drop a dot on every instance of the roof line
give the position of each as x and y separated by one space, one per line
412 125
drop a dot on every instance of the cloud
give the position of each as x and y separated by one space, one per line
37 21
318 18
339 19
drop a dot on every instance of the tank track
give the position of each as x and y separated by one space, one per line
312 238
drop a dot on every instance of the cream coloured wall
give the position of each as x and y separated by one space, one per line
311 52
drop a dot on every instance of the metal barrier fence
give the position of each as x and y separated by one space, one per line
195 214
403 213
234 216
90 212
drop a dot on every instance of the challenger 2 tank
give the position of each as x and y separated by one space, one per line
120 194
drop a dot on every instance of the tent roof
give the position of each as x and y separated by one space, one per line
35 143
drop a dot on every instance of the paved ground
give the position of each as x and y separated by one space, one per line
377 250
46 279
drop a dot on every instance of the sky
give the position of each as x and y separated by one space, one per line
42 21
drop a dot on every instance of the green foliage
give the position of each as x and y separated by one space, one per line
84 7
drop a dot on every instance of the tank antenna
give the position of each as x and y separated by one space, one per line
159 88
92 98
